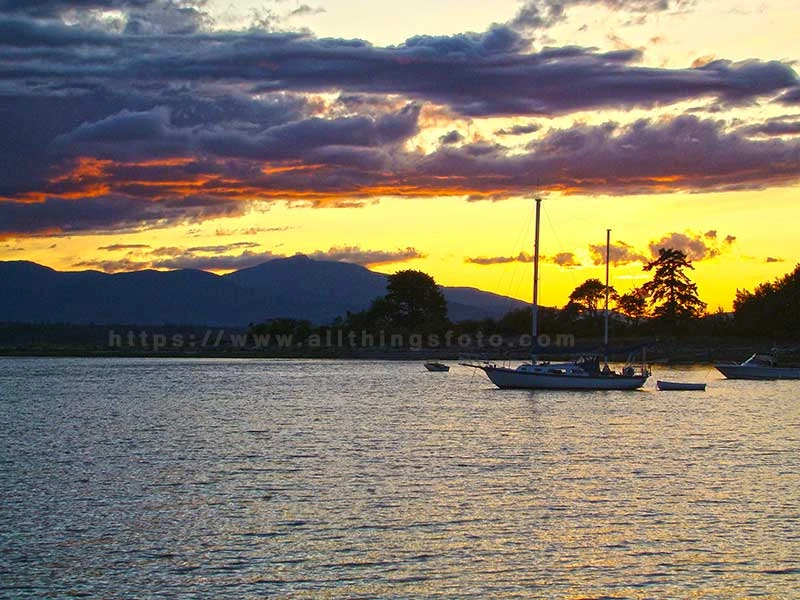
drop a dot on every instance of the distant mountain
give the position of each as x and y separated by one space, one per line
296 287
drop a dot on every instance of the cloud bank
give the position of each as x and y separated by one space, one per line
124 115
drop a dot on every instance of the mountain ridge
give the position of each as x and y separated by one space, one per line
295 287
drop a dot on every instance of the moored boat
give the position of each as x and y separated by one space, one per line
679 386
758 366
582 374
436 366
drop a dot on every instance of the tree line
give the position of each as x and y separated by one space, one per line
667 304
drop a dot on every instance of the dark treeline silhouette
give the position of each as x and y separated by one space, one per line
772 309
414 304
666 306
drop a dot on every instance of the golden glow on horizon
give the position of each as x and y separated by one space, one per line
449 230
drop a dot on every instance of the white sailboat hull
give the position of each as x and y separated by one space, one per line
755 372
527 380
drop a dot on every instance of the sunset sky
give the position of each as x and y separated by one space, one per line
218 135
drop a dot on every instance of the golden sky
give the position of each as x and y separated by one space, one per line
196 135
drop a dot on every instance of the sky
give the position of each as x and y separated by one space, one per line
217 135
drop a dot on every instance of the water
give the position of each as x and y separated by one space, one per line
132 478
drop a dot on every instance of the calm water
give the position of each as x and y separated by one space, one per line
315 479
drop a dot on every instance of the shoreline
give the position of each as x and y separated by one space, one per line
173 341
658 354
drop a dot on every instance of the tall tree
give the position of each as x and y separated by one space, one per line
590 296
414 302
633 305
672 294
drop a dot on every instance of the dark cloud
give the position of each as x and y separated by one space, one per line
791 96
305 9
696 246
451 137
139 16
537 14
220 232
167 17
157 120
493 74
683 153
131 135
779 126
177 258
772 259
522 257
189 260
620 253
367 258
55 8
56 216
564 259
125 127
222 248
488 74
112 265
223 260
33 40
519 129
281 142
38 130
118 247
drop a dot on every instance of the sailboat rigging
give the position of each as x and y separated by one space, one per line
583 373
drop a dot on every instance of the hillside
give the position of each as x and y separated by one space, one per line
296 287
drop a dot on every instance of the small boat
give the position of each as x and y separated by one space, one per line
680 386
758 366
436 366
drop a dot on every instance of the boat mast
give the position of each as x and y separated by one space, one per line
605 311
535 307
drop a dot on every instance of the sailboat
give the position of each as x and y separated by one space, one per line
584 373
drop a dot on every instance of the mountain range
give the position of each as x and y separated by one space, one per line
297 287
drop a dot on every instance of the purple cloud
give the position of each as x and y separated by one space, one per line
155 121
696 246
119 247
538 14
522 257
367 258
789 125
620 253
519 129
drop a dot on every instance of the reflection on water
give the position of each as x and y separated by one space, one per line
309 479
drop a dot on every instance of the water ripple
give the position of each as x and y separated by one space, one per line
326 479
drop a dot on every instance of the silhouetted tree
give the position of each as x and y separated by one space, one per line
589 297
772 309
672 294
414 302
633 305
